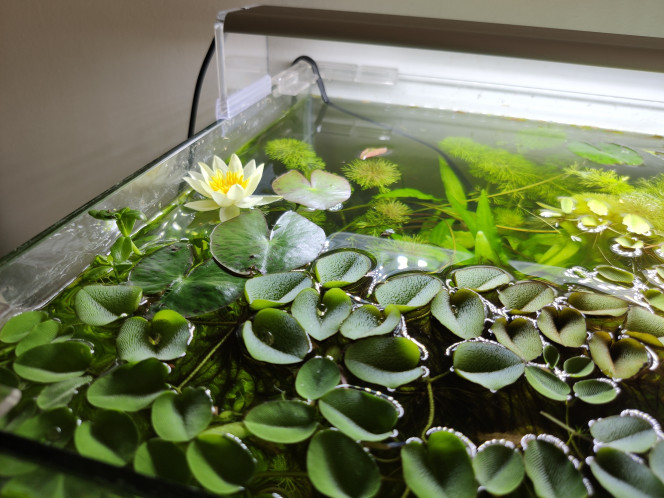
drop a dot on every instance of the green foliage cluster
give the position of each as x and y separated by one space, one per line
294 154
375 172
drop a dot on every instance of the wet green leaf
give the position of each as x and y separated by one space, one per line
275 289
552 473
54 362
42 333
641 320
52 427
275 337
407 192
606 153
408 292
619 359
596 391
631 431
60 393
342 268
111 437
623 476
578 366
159 270
282 421
498 467
597 304
487 363
548 384
656 460
166 337
368 320
551 356
655 298
316 377
19 326
614 274
481 278
526 297
324 190
181 417
163 460
462 312
636 224
103 304
565 326
321 320
519 335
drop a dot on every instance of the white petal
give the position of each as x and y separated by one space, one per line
257 200
196 185
196 176
206 205
254 180
226 213
249 168
267 199
236 193
235 165
221 199
207 172
219 164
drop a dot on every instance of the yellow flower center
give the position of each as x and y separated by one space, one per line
222 182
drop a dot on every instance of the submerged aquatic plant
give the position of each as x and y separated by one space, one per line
382 215
375 172
294 154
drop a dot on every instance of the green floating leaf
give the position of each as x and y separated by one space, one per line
442 468
162 459
643 321
368 320
498 467
631 431
487 363
130 387
19 326
275 337
53 427
221 463
103 304
656 460
655 298
606 153
360 415
408 292
462 312
324 321
551 356
282 421
481 278
565 326
54 362
316 377
111 437
623 476
387 361
244 246
545 382
339 467
597 304
324 190
526 297
519 335
596 391
276 289
342 268
166 337
181 417
552 473
157 271
60 394
614 274
619 359
578 366
42 333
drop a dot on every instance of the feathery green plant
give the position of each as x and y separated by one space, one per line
294 154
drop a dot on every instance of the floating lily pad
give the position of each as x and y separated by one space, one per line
342 268
487 363
111 437
547 383
462 312
518 335
60 393
19 326
368 320
597 304
54 362
619 359
387 361
339 467
481 278
360 415
408 292
565 326
42 333
324 191
103 304
636 224
282 421
631 431
614 274
181 417
316 377
498 467
596 391
157 271
275 289
162 459
606 153
321 322
526 297
621 475
275 337
165 337
550 470
244 245
578 366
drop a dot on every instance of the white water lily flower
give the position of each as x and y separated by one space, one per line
228 188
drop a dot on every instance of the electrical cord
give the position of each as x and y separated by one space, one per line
197 89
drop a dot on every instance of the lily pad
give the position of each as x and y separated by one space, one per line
42 333
324 190
481 278
181 417
631 431
606 153
275 337
408 292
275 289
368 320
19 326
111 437
498 467
103 304
60 393
550 470
342 268
547 383
619 359
597 304
162 459
339 467
282 421
578 366
526 297
596 391
621 475
487 363
462 312
54 362
636 224
324 321
157 271
165 337
360 415
565 326
387 361
244 245
518 335
316 377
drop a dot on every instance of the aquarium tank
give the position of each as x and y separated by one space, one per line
347 299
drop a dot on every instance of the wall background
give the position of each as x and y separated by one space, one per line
90 91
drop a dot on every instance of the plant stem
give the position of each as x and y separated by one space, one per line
432 408
204 361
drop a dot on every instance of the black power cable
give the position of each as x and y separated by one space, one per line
197 90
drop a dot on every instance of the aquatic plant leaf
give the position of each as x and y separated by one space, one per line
54 362
548 384
275 337
408 292
619 359
407 192
221 463
342 268
103 304
481 278
631 431
641 320
578 366
60 393
552 473
540 137
165 337
275 289
519 336
614 274
244 245
162 459
53 427
368 320
181 417
623 476
339 467
112 437
655 298
294 154
597 304
636 224
487 363
440 468
526 297
305 309
282 421
387 361
360 415
462 312
43 481
455 195
656 460
157 271
316 377
486 227
206 288
323 191
129 387
498 467
596 391
551 355
565 326
606 153
42 333
19 326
